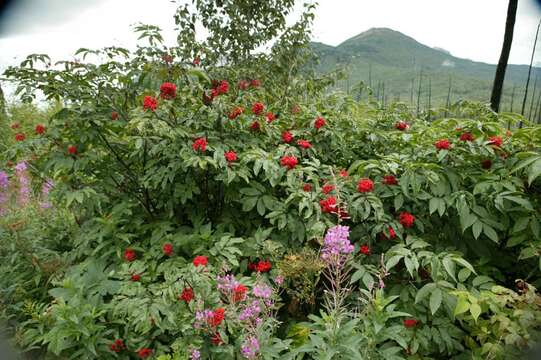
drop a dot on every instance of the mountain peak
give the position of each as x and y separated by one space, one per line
382 33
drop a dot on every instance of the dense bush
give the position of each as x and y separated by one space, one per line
222 205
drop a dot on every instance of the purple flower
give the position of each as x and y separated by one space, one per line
24 184
336 245
250 347
262 291
250 311
195 355
4 180
45 188
21 166
4 185
227 283
202 317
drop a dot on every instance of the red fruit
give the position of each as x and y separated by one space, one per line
230 156
270 117
130 255
486 164
365 250
257 108
222 88
442 144
467 136
135 277
200 261
263 266
255 83
390 180
239 293
197 61
328 205
495 141
217 317
167 249
327 188
199 144
319 123
304 144
15 126
289 161
392 234
365 185
72 149
40 129
287 137
233 114
186 295
20 137
216 339
114 115
243 85
409 323
117 346
150 103
307 187
168 91
255 126
144 353
406 219
343 173
401 125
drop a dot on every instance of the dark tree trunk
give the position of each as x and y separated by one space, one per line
504 56
529 74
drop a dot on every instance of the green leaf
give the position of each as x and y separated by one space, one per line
449 266
475 311
462 305
424 291
490 233
534 171
398 201
477 228
435 300
433 205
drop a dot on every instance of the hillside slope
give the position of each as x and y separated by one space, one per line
390 60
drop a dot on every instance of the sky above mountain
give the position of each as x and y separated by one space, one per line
467 28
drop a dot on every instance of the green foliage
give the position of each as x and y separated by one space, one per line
133 183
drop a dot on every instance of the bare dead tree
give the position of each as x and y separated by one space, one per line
529 74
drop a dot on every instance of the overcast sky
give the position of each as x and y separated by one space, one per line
467 28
